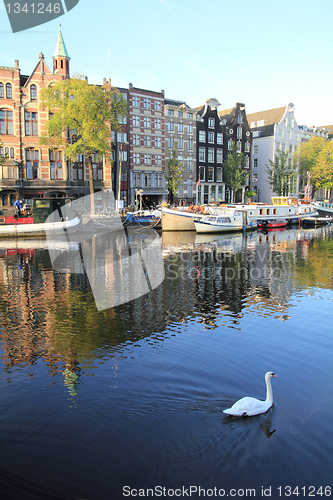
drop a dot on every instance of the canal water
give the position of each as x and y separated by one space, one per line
128 401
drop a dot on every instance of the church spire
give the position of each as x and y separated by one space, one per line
61 57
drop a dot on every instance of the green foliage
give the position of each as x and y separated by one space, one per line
249 194
315 158
234 171
282 173
174 172
3 157
85 113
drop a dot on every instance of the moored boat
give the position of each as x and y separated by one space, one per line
273 224
324 208
317 221
222 223
20 230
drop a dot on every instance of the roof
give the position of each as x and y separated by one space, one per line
226 112
60 48
269 116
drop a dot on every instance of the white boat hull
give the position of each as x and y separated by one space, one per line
38 229
205 227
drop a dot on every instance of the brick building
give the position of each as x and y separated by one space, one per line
180 129
147 146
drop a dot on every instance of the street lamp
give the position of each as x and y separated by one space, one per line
20 164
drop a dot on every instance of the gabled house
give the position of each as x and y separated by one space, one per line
210 140
273 131
236 129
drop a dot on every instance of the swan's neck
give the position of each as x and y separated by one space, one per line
269 392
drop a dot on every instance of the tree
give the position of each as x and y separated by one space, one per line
174 172
234 171
85 113
315 158
3 157
281 173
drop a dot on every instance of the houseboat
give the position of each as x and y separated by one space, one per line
41 220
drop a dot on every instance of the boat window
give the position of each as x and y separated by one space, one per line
268 211
223 220
42 203
274 211
211 219
261 212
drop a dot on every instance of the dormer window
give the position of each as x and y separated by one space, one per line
211 123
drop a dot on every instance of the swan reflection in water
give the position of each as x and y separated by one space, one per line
264 420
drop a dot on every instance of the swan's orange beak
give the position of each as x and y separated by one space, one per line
274 375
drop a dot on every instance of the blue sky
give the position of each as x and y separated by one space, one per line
264 53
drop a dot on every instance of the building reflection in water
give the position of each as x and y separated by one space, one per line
51 315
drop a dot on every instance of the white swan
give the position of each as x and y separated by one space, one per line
252 406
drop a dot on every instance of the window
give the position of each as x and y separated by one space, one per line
255 162
239 146
246 162
180 128
219 138
32 163
289 134
33 93
189 128
219 174
136 158
146 102
2 93
202 173
157 123
170 142
170 112
55 165
189 116
219 156
211 137
158 180
239 132
190 144
6 122
157 105
10 172
180 114
159 160
147 180
180 143
290 148
211 155
9 93
146 140
240 118
170 126
211 122
230 143
136 140
97 166
136 121
247 147
255 150
256 134
189 189
202 136
189 165
210 173
137 179
31 125
158 142
202 154
135 101
146 121
261 123
280 133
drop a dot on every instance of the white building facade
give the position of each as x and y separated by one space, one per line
273 131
